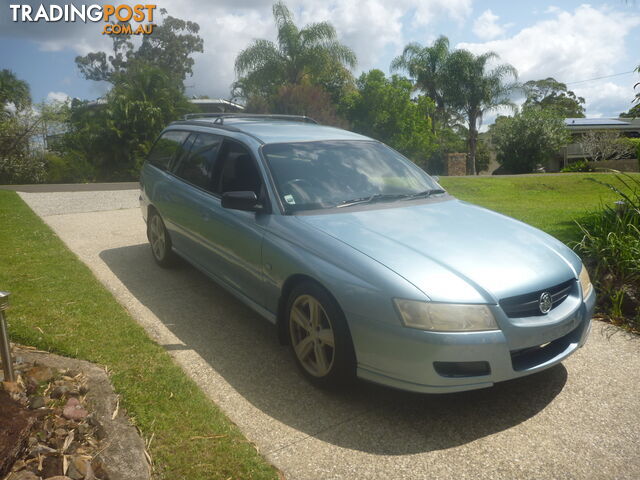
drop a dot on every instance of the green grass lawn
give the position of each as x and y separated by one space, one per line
552 203
58 305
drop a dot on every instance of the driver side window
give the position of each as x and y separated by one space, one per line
236 170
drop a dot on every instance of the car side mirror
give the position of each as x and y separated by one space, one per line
436 177
247 201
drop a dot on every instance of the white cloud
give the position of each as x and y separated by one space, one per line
369 27
427 11
57 97
374 29
571 46
486 26
605 98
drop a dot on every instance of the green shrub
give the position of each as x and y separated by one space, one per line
636 143
579 166
22 169
69 168
611 249
527 139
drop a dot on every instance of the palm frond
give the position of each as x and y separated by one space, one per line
256 55
341 53
281 14
316 33
289 40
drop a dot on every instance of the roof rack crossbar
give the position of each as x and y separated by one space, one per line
219 117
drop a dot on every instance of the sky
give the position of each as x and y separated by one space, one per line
574 42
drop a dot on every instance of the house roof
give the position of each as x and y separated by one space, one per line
621 124
581 122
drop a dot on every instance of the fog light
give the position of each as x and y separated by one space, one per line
462 369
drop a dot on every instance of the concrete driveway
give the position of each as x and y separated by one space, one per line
578 420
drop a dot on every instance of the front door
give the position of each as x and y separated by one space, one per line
225 243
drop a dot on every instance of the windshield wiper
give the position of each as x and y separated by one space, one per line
424 194
370 199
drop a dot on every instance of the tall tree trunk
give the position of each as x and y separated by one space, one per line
473 143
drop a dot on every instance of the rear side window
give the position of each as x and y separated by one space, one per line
166 147
196 167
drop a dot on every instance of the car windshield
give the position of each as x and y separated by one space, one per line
329 174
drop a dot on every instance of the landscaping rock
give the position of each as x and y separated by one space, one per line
11 387
73 410
36 402
59 391
51 466
80 468
23 475
99 470
39 374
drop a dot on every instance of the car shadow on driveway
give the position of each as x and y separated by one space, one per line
243 348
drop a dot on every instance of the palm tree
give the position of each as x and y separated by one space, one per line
300 55
13 91
425 65
475 88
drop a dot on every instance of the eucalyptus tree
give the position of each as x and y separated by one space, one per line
170 48
426 66
475 85
548 93
311 54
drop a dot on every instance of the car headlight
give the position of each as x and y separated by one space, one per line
445 317
585 282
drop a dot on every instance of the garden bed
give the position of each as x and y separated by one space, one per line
63 419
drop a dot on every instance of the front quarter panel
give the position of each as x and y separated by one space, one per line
363 287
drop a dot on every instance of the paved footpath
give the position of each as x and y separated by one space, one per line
578 420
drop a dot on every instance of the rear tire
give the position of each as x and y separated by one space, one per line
160 241
320 339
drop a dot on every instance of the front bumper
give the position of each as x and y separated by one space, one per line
411 359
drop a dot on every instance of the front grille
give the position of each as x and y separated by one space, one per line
527 305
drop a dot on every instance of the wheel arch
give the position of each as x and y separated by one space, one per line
288 285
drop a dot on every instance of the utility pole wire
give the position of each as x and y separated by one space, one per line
600 78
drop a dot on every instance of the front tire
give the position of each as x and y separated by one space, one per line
160 241
320 338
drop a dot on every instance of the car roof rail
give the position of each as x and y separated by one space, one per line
220 117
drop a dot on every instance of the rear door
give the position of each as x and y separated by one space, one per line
191 198
157 181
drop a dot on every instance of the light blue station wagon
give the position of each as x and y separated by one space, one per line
365 264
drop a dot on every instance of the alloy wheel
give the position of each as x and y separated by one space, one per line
157 237
312 335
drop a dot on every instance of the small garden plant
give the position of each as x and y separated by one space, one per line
610 247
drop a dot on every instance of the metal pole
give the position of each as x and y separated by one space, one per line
5 350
